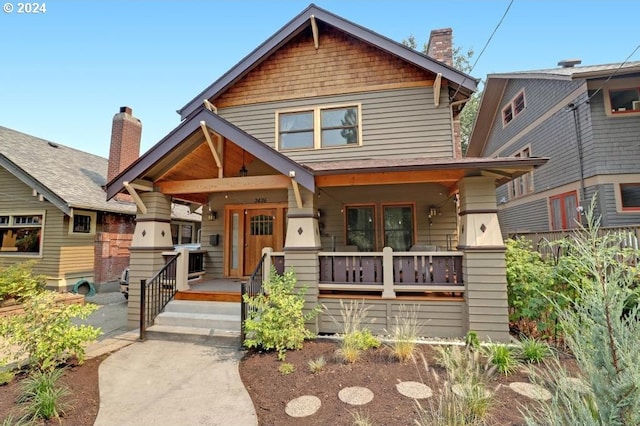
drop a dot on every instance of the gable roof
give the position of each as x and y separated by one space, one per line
219 125
302 21
68 178
495 85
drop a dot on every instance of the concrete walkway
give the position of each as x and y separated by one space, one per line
173 383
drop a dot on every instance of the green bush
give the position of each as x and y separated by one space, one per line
286 368
503 358
43 396
45 332
533 350
277 320
356 337
18 282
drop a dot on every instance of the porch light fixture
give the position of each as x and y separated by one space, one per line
433 211
243 170
213 215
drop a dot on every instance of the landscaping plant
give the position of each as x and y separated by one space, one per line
601 328
286 368
533 350
356 337
45 332
43 396
17 282
503 357
405 333
316 365
277 318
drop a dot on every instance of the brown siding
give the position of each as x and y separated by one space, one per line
299 70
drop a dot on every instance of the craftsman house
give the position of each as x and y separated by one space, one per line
333 150
586 119
53 208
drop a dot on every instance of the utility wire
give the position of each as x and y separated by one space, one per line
504 15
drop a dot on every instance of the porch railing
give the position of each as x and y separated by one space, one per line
252 288
156 292
391 272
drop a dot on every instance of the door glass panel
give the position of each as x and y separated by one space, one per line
361 228
398 227
570 204
556 213
262 225
235 240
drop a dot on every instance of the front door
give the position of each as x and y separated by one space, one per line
260 232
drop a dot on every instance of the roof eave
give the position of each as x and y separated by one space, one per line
292 28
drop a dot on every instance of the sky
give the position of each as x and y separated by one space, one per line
65 72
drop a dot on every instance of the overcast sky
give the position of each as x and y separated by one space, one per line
64 73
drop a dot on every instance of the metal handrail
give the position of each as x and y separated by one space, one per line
156 292
254 288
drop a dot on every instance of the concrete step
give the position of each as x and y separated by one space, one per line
199 307
188 319
194 335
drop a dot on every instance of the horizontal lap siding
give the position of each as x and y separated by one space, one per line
333 200
528 217
436 319
17 197
399 123
612 217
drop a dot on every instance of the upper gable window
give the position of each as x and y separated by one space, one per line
513 108
624 101
321 127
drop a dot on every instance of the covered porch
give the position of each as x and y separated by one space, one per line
418 231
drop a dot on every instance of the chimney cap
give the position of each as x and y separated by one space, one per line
126 110
569 63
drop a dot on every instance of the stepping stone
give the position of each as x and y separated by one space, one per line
355 395
574 383
303 406
531 391
415 390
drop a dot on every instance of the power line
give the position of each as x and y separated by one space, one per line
504 15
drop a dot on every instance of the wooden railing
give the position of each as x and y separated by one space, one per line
390 272
156 292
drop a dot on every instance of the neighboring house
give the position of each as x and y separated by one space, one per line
586 119
336 148
53 210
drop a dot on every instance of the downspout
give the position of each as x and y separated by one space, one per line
576 123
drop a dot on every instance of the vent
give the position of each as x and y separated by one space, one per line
53 144
569 63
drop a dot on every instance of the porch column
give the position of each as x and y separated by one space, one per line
151 237
302 244
483 265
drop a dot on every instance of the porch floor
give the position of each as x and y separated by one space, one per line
213 290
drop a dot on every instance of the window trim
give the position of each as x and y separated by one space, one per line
414 231
512 106
12 214
513 185
620 207
378 221
619 85
317 125
376 242
92 227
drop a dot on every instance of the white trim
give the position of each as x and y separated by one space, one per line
317 125
92 226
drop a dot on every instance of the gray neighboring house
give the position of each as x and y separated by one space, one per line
53 210
586 119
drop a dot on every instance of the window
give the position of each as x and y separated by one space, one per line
262 225
397 230
624 101
398 227
82 222
564 211
630 196
524 184
361 227
513 108
321 127
21 234
182 233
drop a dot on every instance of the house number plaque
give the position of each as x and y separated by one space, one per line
261 200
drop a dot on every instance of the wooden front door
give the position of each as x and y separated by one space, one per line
260 232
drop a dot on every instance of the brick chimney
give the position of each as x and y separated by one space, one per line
440 46
125 142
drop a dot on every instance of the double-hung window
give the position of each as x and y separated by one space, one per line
320 127
21 234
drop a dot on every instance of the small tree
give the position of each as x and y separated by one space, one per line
601 328
277 318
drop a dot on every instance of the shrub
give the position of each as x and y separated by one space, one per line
6 377
316 365
405 333
42 395
471 341
18 282
356 337
602 332
286 368
534 350
45 332
277 320
503 358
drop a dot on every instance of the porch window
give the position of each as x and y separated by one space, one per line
182 233
21 234
564 211
320 127
361 227
630 196
398 227
513 108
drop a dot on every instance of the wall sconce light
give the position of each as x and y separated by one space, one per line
213 215
320 213
433 211
243 170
